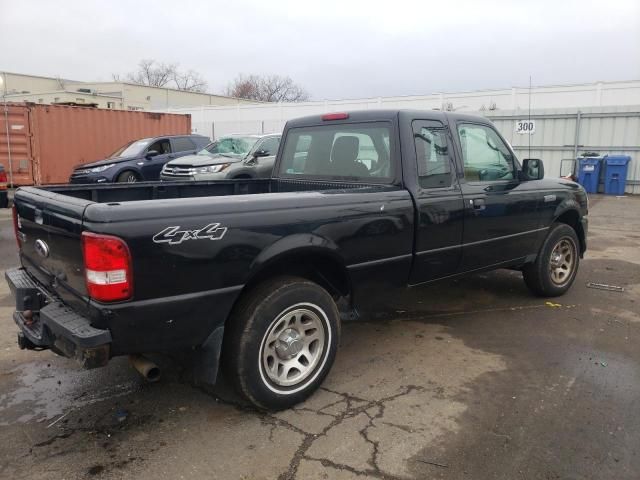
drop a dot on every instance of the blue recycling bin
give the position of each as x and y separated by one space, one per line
615 179
589 173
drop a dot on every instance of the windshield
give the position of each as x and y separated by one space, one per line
230 146
133 148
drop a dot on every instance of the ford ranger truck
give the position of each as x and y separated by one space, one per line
256 275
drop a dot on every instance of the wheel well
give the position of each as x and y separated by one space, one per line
126 170
572 218
242 176
323 269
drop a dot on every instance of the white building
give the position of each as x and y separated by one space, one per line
17 87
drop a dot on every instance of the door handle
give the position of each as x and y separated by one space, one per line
478 204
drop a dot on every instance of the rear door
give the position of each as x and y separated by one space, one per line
439 204
501 212
152 166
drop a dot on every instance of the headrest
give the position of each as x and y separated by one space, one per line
345 149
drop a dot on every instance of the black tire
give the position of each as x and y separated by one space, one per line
265 311
127 177
548 279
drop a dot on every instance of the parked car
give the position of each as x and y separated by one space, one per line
235 156
262 271
140 160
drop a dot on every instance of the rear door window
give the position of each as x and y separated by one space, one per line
354 152
432 154
183 144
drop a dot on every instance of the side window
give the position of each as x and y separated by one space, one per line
432 154
486 157
301 151
161 146
270 145
182 144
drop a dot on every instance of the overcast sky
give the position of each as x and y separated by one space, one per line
335 49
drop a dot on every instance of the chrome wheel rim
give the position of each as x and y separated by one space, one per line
131 178
293 346
562 262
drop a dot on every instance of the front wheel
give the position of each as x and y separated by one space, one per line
127 177
281 342
556 266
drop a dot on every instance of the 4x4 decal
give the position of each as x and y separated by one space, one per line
174 236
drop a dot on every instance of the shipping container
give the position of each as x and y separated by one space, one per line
40 144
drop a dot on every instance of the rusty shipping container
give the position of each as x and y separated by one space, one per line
45 142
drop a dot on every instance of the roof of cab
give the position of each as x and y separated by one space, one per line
386 114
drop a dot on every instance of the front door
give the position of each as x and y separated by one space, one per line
151 166
440 209
501 217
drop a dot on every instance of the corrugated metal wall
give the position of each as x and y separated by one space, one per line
563 134
45 142
606 130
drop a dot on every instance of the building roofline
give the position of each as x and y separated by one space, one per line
52 92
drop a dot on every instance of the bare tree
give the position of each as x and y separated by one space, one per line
191 81
159 74
272 88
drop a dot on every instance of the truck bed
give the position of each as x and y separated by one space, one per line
126 192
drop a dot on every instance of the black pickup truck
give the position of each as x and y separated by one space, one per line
257 274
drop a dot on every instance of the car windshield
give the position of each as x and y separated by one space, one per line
133 148
230 146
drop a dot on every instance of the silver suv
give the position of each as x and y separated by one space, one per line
233 156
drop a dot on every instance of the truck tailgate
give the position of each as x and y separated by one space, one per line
49 226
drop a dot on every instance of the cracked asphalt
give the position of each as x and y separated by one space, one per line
473 379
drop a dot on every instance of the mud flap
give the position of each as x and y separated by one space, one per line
207 359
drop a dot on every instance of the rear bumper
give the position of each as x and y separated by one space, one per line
46 323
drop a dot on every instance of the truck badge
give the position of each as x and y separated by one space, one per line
175 236
42 248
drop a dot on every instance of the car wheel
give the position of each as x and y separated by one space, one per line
127 177
281 341
556 266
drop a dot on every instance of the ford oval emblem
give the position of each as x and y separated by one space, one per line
42 248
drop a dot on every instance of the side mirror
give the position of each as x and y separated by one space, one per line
532 169
151 154
260 153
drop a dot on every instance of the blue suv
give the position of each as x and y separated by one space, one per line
138 161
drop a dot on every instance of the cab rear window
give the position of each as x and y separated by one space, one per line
354 152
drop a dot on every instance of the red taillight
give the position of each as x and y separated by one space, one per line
335 116
107 264
16 226
3 180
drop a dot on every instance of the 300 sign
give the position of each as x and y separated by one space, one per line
525 126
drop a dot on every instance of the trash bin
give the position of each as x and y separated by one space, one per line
589 173
616 174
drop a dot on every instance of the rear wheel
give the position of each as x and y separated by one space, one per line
281 342
556 266
127 177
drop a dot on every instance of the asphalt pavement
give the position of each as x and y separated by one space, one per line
470 379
